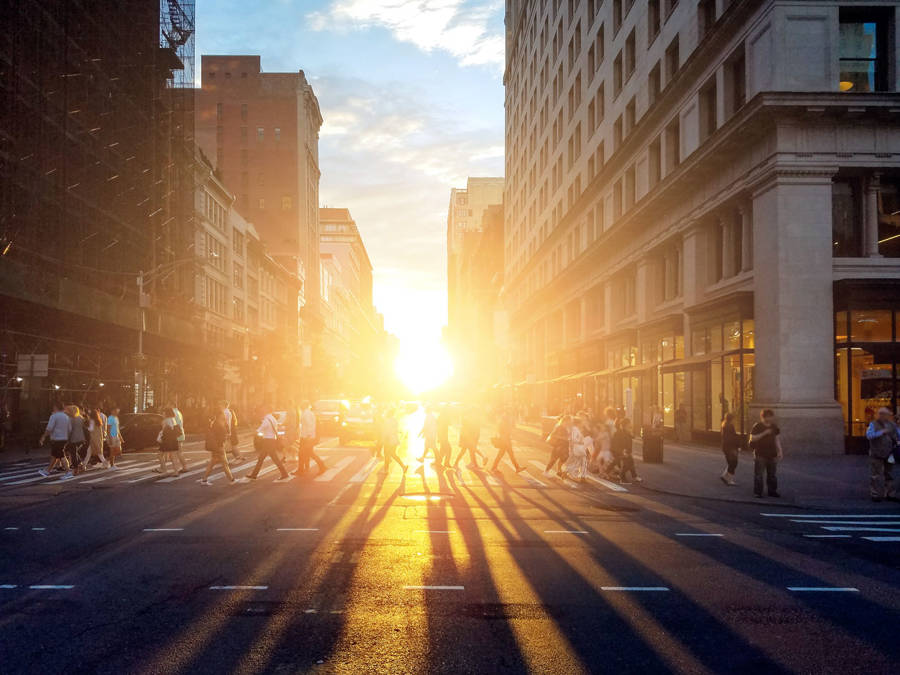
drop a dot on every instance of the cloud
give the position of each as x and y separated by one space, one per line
467 30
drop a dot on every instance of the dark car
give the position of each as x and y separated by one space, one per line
358 423
139 430
329 416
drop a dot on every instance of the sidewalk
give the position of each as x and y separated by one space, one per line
836 482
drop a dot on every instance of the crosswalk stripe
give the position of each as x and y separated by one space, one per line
234 470
564 481
187 474
861 529
528 477
361 475
882 538
607 483
131 469
154 474
848 522
335 470
20 472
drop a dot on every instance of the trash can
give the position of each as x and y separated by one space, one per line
653 449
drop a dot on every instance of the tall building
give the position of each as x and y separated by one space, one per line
701 210
96 163
263 130
357 340
465 213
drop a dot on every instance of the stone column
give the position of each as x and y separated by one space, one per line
794 373
694 263
873 190
746 237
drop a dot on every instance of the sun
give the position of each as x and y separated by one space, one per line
422 366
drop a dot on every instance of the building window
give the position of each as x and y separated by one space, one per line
260 133
670 7
215 252
261 203
243 112
654 84
630 54
286 204
846 217
244 157
735 82
629 187
672 60
238 307
617 199
219 111
670 273
864 49
673 145
708 109
277 132
617 133
617 75
889 217
630 116
243 135
706 17
655 162
215 296
617 15
237 242
238 276
653 20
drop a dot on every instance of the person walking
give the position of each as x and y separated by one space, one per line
391 442
114 436
292 429
443 433
59 427
429 435
308 440
378 424
179 422
503 442
767 452
884 436
168 442
216 436
731 447
77 438
268 445
469 434
95 442
576 465
231 424
559 440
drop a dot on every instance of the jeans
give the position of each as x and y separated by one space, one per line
731 459
767 466
269 448
881 482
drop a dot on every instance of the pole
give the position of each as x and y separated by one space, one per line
139 374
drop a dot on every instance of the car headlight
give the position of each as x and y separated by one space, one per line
336 418
343 424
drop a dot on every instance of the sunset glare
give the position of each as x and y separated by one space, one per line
423 367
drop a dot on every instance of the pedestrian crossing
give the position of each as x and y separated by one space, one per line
344 465
874 527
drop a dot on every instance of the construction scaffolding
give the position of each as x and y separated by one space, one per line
96 149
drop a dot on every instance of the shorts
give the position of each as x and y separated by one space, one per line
58 449
115 447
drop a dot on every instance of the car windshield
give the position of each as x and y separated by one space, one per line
328 406
359 410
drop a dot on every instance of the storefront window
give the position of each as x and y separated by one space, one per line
889 218
681 397
840 327
699 342
731 385
715 338
679 346
872 384
749 334
715 394
871 326
699 402
732 331
748 388
842 395
668 399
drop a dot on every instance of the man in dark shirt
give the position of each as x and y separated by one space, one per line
766 444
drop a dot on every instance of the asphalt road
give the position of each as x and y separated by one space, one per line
447 573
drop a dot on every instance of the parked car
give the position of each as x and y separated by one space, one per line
358 422
139 430
329 416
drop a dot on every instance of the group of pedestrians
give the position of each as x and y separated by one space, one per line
77 435
582 444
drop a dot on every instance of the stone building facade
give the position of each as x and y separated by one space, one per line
702 210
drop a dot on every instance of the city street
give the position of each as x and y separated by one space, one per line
357 571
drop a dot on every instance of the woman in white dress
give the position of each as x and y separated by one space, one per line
576 466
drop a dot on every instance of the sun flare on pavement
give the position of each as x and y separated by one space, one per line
423 367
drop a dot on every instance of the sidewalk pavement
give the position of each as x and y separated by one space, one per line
834 482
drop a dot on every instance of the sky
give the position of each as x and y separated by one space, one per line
411 94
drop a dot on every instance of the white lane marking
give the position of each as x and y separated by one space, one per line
492 481
848 522
8 586
881 538
822 589
828 536
634 588
540 467
133 468
269 469
235 469
38 529
238 588
10 528
154 474
698 534
615 487
52 477
361 475
531 480
19 473
434 588
339 494
309 611
433 531
187 474
565 532
51 587
297 529
844 516
835 528
335 470
163 529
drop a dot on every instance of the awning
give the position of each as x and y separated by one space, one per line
694 362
